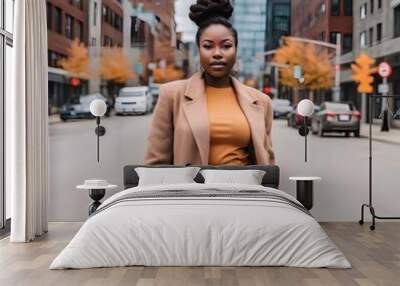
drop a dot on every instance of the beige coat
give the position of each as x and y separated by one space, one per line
179 133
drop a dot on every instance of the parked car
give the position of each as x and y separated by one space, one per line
295 119
336 117
79 107
134 100
281 107
155 91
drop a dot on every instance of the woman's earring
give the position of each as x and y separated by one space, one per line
202 69
235 69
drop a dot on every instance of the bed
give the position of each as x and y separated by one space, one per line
201 224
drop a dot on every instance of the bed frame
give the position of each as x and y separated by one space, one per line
270 179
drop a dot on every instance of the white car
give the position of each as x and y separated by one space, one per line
133 100
281 107
155 91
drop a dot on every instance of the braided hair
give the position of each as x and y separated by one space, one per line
212 12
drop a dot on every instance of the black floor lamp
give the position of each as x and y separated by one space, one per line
370 205
98 108
305 108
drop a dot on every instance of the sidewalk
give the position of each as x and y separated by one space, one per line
393 136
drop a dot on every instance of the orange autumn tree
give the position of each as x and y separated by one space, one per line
115 69
77 62
317 68
170 73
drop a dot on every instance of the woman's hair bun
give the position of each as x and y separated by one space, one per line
206 9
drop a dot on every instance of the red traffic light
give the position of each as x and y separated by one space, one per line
267 90
75 81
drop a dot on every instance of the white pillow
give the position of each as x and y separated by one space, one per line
248 177
163 176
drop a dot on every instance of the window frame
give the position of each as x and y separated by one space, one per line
363 36
69 31
379 30
363 11
49 15
79 27
339 2
348 12
371 36
6 39
333 36
347 36
396 22
58 28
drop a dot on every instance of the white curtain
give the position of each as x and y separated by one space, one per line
27 123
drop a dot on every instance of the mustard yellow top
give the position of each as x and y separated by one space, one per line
230 133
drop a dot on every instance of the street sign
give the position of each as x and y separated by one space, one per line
384 69
268 69
383 88
297 72
139 69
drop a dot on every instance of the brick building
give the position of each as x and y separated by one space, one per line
322 20
278 22
145 29
112 23
95 23
66 20
105 25
165 42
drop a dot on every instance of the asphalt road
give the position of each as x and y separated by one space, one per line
341 162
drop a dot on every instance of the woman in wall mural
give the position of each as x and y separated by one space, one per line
211 118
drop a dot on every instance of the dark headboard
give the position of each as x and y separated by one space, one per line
271 177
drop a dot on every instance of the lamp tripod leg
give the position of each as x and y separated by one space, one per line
372 210
361 221
305 138
98 138
98 146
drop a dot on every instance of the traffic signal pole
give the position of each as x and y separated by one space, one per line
364 99
363 71
336 91
385 118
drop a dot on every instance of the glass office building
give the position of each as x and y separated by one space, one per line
278 22
249 19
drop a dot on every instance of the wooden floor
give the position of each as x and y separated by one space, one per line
375 257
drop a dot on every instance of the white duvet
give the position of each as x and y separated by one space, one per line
200 231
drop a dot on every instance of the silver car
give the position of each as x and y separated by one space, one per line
281 107
336 117
133 100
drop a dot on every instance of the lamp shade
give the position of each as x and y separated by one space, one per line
305 107
98 107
